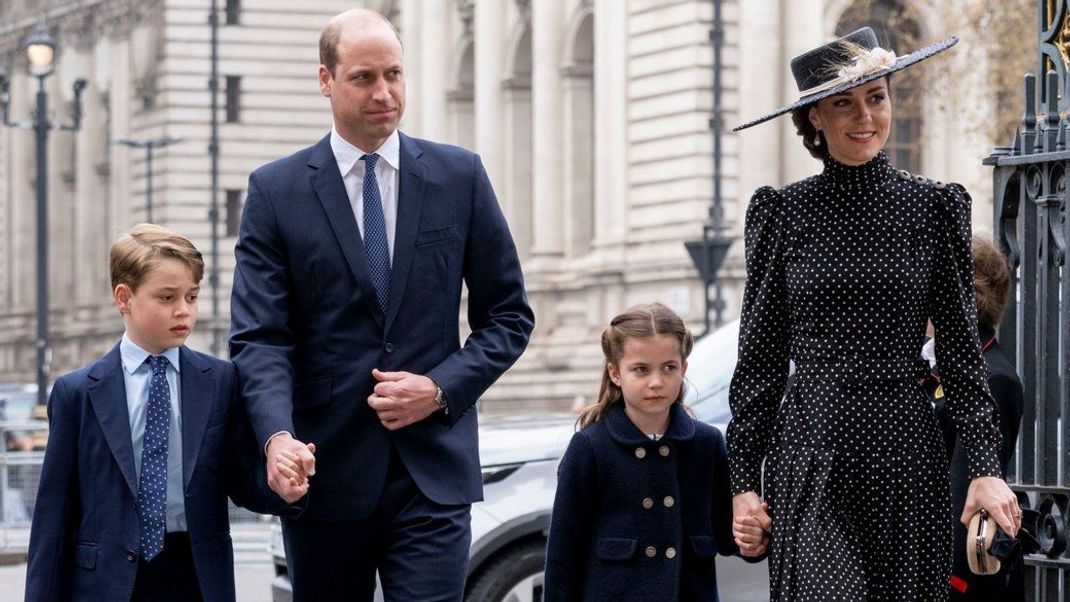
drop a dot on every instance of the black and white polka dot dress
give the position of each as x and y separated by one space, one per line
843 269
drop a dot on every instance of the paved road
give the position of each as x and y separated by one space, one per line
737 580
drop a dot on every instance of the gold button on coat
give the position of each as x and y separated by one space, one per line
664 450
648 503
651 551
669 502
640 453
670 552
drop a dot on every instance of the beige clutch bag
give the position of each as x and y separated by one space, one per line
979 537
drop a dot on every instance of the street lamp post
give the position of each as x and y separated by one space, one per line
709 252
149 146
40 49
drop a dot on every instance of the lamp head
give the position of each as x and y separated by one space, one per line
40 48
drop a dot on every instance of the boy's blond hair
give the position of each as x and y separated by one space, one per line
138 251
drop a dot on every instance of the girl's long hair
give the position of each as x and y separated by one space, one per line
636 322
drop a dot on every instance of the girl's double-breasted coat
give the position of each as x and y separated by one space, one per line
638 519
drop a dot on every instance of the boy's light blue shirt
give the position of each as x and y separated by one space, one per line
137 376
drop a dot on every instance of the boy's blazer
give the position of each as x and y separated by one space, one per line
84 538
306 329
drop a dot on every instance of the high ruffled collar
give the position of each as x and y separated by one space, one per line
875 173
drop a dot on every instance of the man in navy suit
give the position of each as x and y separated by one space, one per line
145 445
345 309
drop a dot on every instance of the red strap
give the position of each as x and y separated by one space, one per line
988 343
958 584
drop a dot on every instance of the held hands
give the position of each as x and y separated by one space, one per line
751 524
402 398
289 464
992 494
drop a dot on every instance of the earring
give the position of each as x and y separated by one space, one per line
817 138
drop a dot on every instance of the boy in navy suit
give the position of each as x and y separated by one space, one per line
145 446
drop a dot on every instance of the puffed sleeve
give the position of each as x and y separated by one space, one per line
958 350
762 370
568 540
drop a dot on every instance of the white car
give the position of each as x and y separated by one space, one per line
519 457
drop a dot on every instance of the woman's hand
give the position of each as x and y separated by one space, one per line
751 525
992 494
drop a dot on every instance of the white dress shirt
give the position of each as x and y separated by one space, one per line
137 376
386 174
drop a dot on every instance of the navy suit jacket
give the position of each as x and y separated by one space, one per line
84 538
306 330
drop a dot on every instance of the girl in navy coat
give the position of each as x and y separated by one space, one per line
643 504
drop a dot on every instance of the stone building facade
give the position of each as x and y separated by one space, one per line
591 116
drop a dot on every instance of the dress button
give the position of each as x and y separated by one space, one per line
640 453
670 553
664 451
389 348
669 502
651 551
648 503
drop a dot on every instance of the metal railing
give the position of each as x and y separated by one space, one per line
1031 226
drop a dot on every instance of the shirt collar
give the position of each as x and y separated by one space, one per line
134 357
347 155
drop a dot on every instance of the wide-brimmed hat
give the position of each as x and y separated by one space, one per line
846 63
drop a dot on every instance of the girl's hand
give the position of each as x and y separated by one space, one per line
992 494
751 538
751 524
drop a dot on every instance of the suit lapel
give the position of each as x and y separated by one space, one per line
107 395
198 397
330 190
410 203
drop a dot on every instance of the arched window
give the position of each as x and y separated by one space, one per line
898 30
517 89
461 98
578 75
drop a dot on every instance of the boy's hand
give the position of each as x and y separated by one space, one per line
402 398
289 464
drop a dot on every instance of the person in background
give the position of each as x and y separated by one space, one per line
991 287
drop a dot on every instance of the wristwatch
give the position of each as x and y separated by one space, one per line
440 399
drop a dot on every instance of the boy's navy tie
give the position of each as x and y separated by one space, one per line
375 246
152 488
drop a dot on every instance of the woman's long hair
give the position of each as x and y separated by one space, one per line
636 322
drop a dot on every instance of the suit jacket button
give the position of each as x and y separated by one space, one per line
648 503
389 348
651 551
640 453
670 553
669 502
664 451
131 556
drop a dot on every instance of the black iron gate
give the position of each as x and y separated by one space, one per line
1030 188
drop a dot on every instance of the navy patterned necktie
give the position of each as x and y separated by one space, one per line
152 488
375 246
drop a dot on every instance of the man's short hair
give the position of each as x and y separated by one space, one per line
991 281
137 252
332 33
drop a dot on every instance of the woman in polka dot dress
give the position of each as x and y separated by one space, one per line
843 270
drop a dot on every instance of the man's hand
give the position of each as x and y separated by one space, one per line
751 524
402 398
289 464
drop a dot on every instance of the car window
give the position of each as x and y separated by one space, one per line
709 374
